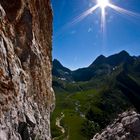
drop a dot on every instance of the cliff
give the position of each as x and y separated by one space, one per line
26 95
125 127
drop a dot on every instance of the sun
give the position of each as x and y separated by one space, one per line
103 3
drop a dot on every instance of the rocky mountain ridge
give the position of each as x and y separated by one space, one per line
100 66
26 95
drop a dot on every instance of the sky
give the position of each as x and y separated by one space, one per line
77 43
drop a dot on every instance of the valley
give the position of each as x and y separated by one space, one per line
91 98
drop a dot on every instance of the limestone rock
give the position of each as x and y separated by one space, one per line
26 95
125 127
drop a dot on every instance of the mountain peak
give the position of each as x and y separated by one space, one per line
55 61
59 70
113 60
57 64
101 56
100 59
119 58
123 52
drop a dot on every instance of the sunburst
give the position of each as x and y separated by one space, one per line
103 4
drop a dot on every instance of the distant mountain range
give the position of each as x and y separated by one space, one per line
101 66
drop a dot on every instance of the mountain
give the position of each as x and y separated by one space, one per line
101 66
99 60
95 95
60 71
57 66
113 60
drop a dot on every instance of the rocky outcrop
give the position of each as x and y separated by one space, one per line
26 95
125 127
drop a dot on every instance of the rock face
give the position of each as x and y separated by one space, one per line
125 127
26 95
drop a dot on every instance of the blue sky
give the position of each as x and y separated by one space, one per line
77 45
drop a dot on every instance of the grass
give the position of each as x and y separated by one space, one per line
73 120
93 103
76 100
74 123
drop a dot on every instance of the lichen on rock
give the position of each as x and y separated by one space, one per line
26 95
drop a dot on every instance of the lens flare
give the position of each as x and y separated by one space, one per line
103 3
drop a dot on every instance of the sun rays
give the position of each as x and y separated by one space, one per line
103 4
84 14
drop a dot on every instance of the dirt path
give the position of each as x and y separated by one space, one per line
58 122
